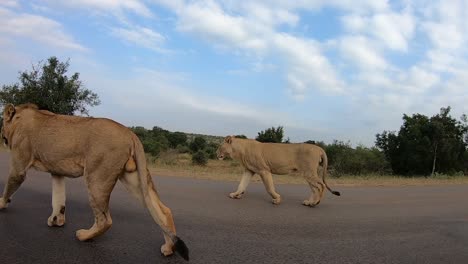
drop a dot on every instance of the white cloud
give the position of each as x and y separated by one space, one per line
354 22
394 30
37 28
355 6
140 36
390 29
10 3
209 21
360 51
419 80
305 66
114 6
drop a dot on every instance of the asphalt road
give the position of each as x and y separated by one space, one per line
364 225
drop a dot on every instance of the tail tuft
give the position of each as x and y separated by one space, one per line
181 248
336 193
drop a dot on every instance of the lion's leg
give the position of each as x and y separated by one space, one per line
245 180
100 187
17 175
58 201
267 179
157 209
316 187
166 249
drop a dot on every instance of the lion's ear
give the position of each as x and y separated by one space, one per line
9 112
228 139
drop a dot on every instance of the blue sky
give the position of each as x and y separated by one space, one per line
325 70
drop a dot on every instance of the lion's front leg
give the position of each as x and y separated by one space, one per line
57 218
16 178
245 180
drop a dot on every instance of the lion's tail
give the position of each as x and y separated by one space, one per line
324 174
145 178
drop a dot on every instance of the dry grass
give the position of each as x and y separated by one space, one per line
180 165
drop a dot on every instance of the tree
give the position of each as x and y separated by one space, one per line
200 158
424 145
274 135
198 143
176 139
140 131
48 86
241 136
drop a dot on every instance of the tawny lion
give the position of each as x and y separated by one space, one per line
101 150
267 158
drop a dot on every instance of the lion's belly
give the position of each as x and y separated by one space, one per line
283 170
66 167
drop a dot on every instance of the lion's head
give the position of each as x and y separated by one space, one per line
225 150
10 115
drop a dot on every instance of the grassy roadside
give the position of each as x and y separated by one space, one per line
229 170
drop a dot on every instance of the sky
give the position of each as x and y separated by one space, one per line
323 69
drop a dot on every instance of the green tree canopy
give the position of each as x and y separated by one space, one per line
198 143
48 86
426 145
273 135
177 138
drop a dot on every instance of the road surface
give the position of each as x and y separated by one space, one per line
364 225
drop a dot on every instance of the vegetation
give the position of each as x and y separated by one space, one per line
158 141
48 86
200 158
273 135
346 160
425 146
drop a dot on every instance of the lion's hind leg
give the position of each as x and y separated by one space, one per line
99 191
317 189
159 212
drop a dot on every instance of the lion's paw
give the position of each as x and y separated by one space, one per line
310 203
83 234
166 250
56 220
276 200
3 203
235 195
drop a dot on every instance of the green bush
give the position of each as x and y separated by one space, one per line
210 152
274 135
183 149
198 143
176 139
200 158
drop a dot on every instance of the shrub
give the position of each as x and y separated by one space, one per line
183 149
177 138
197 144
200 158
211 152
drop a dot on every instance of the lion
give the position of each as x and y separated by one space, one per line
101 150
267 158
